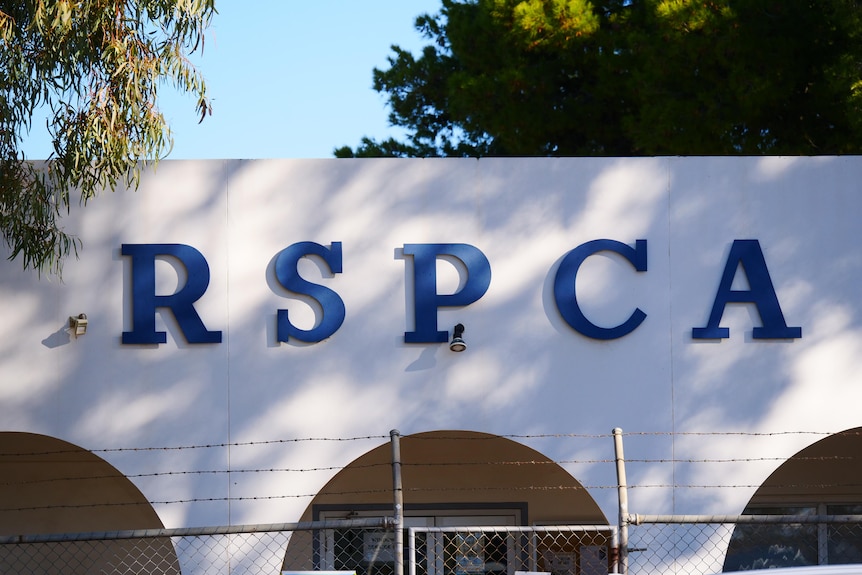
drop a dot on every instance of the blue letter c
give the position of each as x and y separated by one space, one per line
567 299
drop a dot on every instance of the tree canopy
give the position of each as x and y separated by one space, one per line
627 77
96 67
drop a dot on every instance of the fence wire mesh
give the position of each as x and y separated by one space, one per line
247 550
670 545
689 546
561 550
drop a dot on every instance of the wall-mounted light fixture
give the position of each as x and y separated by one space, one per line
458 343
78 324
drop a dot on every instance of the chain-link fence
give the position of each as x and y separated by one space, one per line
365 547
697 545
795 534
247 550
478 550
657 545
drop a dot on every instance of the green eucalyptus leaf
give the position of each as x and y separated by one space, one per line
97 65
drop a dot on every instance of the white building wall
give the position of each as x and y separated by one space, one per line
526 372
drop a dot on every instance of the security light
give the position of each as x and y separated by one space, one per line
78 325
458 343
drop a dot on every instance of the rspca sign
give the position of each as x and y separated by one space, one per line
745 258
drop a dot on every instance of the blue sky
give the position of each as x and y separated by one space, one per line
288 78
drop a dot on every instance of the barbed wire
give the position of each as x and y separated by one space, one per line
503 463
388 490
434 437
10 458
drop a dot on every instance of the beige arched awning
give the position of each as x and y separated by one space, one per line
464 467
51 486
460 479
822 479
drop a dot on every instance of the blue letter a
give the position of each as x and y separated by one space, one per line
761 293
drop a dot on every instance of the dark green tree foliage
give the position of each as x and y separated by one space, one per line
96 66
628 77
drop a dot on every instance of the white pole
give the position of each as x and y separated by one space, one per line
623 565
398 495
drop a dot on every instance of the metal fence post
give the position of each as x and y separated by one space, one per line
398 495
623 564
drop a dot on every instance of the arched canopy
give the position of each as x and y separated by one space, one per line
51 486
820 480
462 469
824 472
454 479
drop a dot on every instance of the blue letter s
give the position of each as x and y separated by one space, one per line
330 302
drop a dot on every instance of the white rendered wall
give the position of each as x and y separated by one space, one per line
526 372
